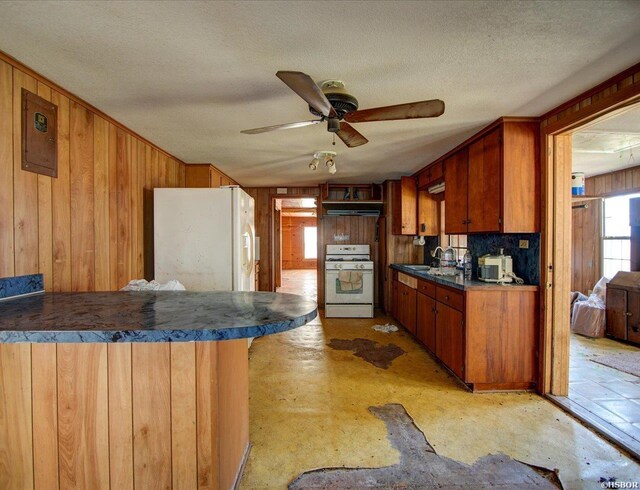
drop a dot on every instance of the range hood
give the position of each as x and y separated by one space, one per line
436 189
353 208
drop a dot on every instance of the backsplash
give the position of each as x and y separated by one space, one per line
15 286
526 261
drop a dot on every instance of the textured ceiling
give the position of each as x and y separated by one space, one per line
599 163
190 75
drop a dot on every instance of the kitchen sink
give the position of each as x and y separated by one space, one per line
438 272
419 267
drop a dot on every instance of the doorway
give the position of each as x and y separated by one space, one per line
296 246
600 390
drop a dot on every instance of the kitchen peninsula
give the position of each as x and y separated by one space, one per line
131 389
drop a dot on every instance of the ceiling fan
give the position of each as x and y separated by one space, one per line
332 103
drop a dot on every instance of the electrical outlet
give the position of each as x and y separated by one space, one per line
524 244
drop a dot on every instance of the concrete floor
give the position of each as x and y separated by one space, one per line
309 409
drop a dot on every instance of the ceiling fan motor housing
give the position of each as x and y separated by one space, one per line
341 101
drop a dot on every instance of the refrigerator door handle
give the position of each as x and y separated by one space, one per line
248 250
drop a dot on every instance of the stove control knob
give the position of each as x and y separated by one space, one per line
361 266
338 266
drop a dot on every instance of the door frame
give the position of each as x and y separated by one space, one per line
607 99
273 254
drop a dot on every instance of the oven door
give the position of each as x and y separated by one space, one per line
349 287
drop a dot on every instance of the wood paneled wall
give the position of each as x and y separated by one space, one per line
90 228
625 181
360 230
586 247
123 416
264 210
293 242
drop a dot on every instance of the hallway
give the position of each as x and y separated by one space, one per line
309 409
303 282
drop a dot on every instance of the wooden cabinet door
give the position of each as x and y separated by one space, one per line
484 184
617 313
404 215
455 193
427 214
450 338
426 321
410 309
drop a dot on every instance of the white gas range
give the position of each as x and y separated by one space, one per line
348 282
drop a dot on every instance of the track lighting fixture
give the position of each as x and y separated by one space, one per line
327 157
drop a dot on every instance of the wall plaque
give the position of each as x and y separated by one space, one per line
39 135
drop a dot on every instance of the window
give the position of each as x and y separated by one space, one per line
616 240
310 242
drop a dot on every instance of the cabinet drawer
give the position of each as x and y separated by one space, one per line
427 288
451 298
412 282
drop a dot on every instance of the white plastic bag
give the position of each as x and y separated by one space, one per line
143 285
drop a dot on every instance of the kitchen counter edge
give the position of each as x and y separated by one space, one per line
120 317
457 282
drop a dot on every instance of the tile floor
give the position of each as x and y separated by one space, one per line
309 409
610 396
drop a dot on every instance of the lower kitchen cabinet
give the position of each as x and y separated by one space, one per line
450 338
486 335
426 321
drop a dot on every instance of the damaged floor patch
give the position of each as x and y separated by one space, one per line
420 467
380 356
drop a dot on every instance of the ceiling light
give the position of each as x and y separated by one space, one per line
332 166
327 157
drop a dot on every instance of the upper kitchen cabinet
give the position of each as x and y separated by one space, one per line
414 212
492 181
404 207
205 175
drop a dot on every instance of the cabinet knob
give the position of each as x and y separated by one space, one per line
447 297
628 313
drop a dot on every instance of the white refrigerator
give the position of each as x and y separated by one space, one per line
205 238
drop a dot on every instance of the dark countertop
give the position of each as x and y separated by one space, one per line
458 282
150 316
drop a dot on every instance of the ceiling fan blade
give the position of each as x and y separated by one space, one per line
350 136
305 87
281 126
412 110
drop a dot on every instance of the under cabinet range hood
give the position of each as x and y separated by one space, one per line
353 208
436 189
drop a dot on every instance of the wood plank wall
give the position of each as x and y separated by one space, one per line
123 416
90 228
625 181
586 246
293 242
264 210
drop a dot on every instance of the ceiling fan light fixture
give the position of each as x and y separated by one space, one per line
333 124
314 164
